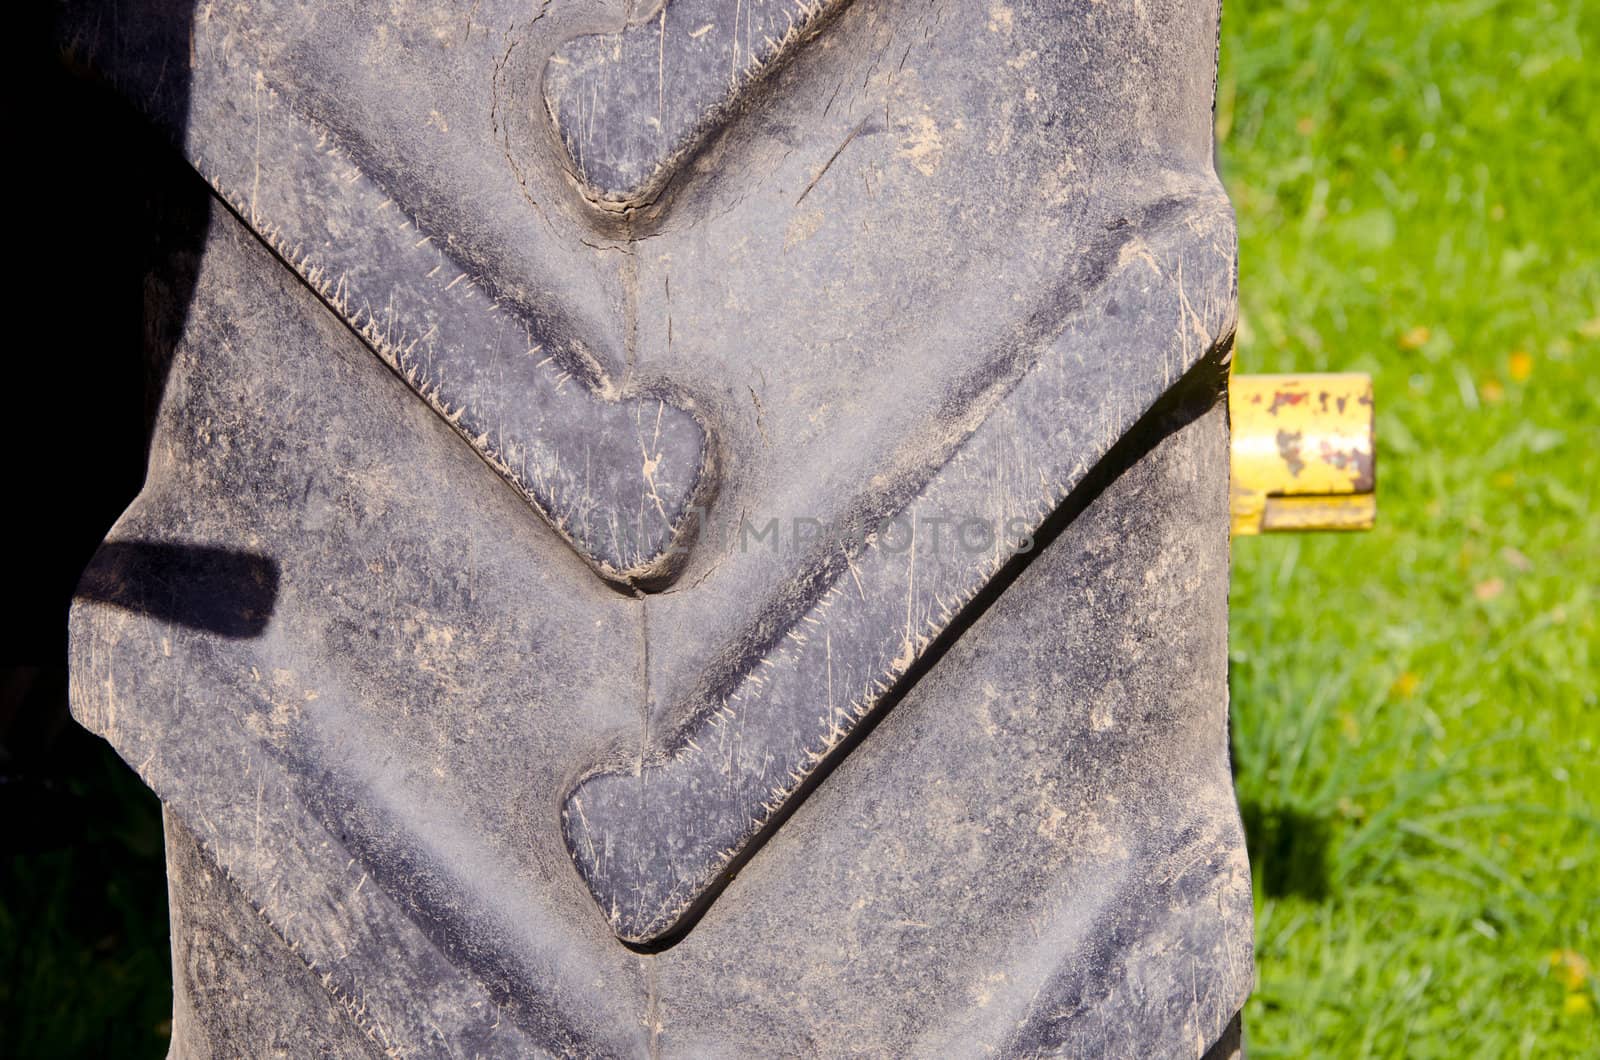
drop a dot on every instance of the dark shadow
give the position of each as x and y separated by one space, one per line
217 590
85 965
112 224
1289 850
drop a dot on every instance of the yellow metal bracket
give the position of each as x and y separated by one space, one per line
1302 452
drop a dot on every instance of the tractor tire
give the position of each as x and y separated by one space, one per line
682 528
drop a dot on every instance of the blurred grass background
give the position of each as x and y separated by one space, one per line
1415 712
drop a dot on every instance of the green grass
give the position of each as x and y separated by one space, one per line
1415 712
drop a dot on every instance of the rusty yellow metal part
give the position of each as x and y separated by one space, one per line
1302 452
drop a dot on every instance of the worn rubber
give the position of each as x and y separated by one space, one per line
686 528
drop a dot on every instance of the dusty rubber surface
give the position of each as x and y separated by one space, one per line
747 576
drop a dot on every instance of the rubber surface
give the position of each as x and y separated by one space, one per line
718 547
